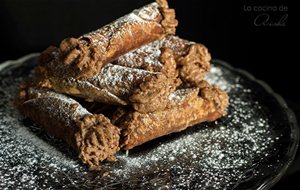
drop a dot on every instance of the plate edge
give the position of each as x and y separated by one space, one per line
291 117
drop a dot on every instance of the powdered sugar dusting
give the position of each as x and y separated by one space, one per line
178 45
120 80
180 94
218 155
143 57
150 12
216 77
26 160
148 56
64 101
92 85
102 36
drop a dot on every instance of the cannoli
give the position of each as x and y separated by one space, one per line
192 59
145 90
83 57
91 135
143 78
135 81
186 109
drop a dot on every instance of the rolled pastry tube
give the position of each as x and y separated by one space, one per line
112 85
115 84
192 59
91 135
83 57
143 78
187 109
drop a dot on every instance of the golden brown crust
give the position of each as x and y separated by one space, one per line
147 91
74 67
128 83
138 128
92 136
148 57
86 90
143 89
83 57
192 59
135 62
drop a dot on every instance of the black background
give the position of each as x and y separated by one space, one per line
225 27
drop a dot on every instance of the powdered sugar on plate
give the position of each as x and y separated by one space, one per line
218 155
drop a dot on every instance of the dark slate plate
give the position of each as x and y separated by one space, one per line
251 148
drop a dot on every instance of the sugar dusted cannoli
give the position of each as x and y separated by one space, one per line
192 59
144 77
120 85
134 71
83 57
145 90
186 109
91 135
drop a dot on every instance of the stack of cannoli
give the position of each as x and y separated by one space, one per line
122 85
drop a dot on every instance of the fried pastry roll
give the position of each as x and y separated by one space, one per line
186 109
145 90
143 78
192 59
91 135
83 57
